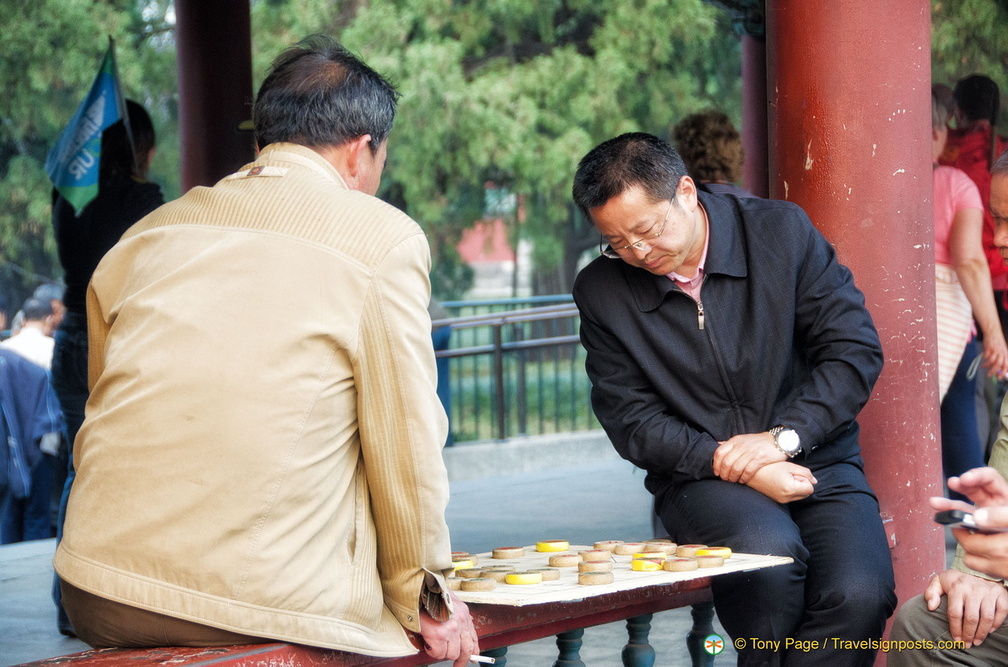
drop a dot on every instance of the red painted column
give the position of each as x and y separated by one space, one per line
755 177
213 40
850 142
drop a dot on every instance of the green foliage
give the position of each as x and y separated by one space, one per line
970 37
516 92
51 53
511 92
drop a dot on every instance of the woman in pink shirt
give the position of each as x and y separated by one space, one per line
964 293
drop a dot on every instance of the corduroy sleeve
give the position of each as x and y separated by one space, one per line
403 428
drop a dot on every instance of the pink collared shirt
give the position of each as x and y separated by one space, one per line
692 285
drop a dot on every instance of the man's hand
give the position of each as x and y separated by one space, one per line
986 487
738 458
783 481
985 552
976 606
455 639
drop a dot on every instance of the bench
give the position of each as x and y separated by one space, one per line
498 627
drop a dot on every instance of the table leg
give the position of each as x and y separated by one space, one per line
569 644
498 654
703 625
638 652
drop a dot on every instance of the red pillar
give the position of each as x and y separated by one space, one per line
850 142
213 40
755 177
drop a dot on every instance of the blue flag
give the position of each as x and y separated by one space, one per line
73 162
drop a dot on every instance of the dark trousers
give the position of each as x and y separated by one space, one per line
840 585
69 378
960 436
102 623
23 519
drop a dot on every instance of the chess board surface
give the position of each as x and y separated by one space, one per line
567 588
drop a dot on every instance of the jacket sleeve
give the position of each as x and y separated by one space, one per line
837 338
633 415
403 428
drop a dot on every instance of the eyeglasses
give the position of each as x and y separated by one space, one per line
617 253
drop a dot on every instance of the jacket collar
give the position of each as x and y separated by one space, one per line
300 155
725 254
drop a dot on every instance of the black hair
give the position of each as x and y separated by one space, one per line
635 158
317 93
118 154
36 309
978 98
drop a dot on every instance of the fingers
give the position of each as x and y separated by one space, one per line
740 457
984 486
1000 614
992 517
955 615
940 504
933 593
454 639
719 455
969 622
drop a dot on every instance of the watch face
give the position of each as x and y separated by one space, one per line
788 440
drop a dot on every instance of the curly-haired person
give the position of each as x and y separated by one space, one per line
712 149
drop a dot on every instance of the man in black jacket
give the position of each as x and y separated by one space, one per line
729 353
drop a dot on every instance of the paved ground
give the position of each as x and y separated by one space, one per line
518 508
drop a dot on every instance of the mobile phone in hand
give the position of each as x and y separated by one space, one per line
961 519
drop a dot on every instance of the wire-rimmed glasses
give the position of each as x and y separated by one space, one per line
617 253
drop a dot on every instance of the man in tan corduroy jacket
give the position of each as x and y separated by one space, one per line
260 458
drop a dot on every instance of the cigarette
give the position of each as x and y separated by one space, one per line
482 658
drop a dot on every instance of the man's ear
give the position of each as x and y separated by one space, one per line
687 187
355 158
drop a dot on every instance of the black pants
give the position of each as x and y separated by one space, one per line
840 586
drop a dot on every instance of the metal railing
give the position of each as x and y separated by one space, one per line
515 372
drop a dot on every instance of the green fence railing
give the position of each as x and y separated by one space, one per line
513 371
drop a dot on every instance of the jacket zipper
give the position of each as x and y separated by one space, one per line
700 314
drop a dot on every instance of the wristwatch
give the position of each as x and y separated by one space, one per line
786 440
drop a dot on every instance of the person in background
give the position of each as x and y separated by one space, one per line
712 149
972 146
34 338
969 602
963 292
264 469
52 293
729 354
30 517
441 337
124 196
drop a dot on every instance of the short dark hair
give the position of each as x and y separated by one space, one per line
615 165
317 94
35 309
978 97
710 146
